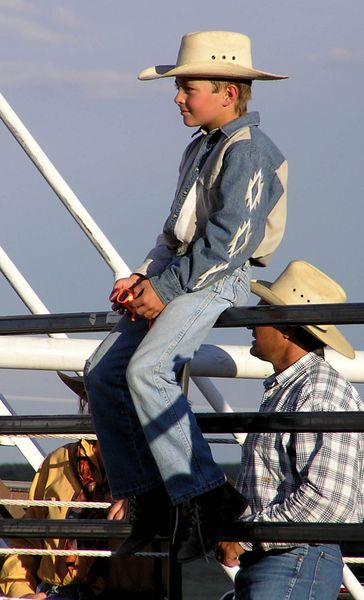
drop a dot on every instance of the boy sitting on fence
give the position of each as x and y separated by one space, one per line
228 213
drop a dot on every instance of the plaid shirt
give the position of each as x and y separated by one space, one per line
298 477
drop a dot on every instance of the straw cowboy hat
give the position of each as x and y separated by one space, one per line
302 283
212 55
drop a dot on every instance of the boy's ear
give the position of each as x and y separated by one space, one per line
231 94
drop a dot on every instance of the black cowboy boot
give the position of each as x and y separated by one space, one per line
149 516
209 513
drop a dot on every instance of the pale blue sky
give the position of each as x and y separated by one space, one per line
68 69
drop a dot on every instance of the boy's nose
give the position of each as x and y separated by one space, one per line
179 97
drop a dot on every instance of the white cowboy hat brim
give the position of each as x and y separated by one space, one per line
329 334
207 70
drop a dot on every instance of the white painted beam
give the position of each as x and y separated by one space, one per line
27 352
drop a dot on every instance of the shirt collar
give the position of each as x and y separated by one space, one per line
286 377
247 120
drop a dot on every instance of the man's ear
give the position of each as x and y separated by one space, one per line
288 331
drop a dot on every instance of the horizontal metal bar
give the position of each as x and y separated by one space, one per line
250 422
233 317
57 528
268 532
293 315
58 323
296 532
46 424
274 422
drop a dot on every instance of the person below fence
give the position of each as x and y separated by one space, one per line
75 472
298 477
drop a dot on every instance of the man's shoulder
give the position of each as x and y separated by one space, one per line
330 386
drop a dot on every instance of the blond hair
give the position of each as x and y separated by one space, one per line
244 93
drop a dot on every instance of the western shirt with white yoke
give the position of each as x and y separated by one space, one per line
229 207
302 477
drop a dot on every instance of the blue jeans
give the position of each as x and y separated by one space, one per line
308 572
147 431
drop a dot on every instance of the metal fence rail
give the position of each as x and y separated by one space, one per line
103 529
349 313
351 535
240 422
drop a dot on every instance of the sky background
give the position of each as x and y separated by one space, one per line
68 69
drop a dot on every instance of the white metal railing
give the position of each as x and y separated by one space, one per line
62 189
212 360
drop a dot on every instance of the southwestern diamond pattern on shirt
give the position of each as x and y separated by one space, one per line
240 239
254 190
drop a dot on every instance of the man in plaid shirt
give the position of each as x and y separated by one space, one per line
298 477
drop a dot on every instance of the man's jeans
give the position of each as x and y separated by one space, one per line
147 431
309 572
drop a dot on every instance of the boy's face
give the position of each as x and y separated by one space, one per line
201 105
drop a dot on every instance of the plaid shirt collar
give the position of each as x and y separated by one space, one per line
286 377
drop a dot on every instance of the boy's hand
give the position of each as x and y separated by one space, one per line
120 285
228 553
147 303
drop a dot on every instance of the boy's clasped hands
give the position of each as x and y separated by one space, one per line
145 301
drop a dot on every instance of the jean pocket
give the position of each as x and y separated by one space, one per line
334 558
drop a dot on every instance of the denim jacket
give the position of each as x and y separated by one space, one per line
229 207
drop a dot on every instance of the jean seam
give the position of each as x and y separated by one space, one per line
167 353
294 578
158 379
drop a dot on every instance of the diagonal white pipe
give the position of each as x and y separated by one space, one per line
62 189
23 289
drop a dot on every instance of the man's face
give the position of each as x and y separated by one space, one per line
267 343
199 103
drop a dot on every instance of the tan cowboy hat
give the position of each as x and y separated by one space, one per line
213 55
302 283
75 383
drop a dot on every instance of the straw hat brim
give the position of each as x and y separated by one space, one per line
74 382
331 336
207 70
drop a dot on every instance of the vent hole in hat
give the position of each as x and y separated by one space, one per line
301 295
223 57
233 58
213 57
308 300
294 289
